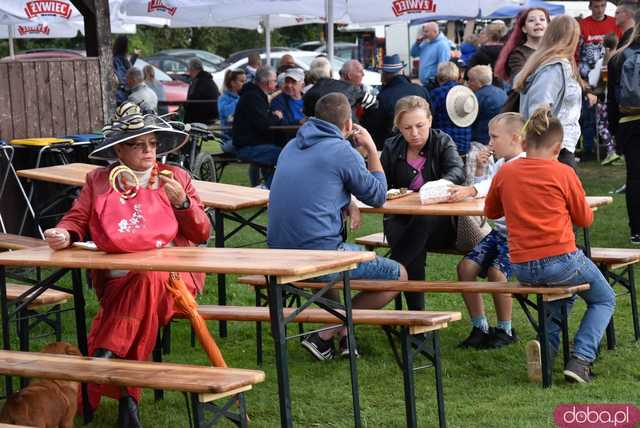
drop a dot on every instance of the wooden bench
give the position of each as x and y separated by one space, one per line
203 384
378 240
50 300
412 327
544 295
622 260
222 160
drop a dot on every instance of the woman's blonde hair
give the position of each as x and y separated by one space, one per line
543 130
407 104
560 41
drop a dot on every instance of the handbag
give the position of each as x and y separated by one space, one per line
469 231
125 225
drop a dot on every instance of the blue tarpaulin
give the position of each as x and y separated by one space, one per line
512 10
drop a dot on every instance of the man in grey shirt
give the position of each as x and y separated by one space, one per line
141 94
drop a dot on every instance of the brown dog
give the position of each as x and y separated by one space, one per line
45 403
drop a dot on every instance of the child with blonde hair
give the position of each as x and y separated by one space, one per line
541 200
490 257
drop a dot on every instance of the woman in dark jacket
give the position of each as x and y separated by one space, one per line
417 155
624 123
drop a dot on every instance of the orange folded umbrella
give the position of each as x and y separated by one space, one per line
186 303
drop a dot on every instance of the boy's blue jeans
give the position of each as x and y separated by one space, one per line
573 269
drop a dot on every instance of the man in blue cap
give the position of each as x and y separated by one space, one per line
395 85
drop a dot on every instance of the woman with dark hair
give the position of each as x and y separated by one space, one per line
623 106
233 82
525 38
120 66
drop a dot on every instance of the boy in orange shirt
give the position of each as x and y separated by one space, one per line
541 200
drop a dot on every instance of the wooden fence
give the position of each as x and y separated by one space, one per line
50 98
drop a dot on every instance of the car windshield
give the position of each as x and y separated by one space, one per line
161 76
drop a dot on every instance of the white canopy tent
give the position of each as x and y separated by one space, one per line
42 19
269 14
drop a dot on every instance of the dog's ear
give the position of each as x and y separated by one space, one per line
72 350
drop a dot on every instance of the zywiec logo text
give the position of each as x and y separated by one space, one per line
48 8
160 6
402 7
33 29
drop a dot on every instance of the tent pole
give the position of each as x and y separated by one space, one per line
330 22
12 52
267 37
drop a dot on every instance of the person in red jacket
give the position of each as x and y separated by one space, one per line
133 305
541 200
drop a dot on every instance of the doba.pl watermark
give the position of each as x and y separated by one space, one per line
597 416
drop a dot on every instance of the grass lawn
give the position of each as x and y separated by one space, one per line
482 388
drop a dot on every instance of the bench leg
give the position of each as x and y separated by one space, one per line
544 342
258 329
200 410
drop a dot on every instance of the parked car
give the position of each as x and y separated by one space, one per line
208 59
174 90
237 56
343 50
302 59
173 66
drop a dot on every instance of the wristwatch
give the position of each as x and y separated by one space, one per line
184 205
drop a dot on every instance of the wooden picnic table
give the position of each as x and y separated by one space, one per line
279 266
225 197
225 200
411 205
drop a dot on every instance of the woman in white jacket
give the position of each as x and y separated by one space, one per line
550 77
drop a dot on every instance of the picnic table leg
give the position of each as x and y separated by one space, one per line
409 383
587 242
352 346
259 328
280 342
544 341
6 340
81 332
218 225
442 420
564 325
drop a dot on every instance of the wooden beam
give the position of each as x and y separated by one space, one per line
97 31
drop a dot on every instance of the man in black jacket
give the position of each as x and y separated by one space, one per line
202 88
325 84
395 85
253 117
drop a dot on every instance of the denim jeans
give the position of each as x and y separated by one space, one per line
573 269
378 268
265 155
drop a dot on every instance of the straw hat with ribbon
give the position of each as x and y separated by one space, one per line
128 123
462 106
